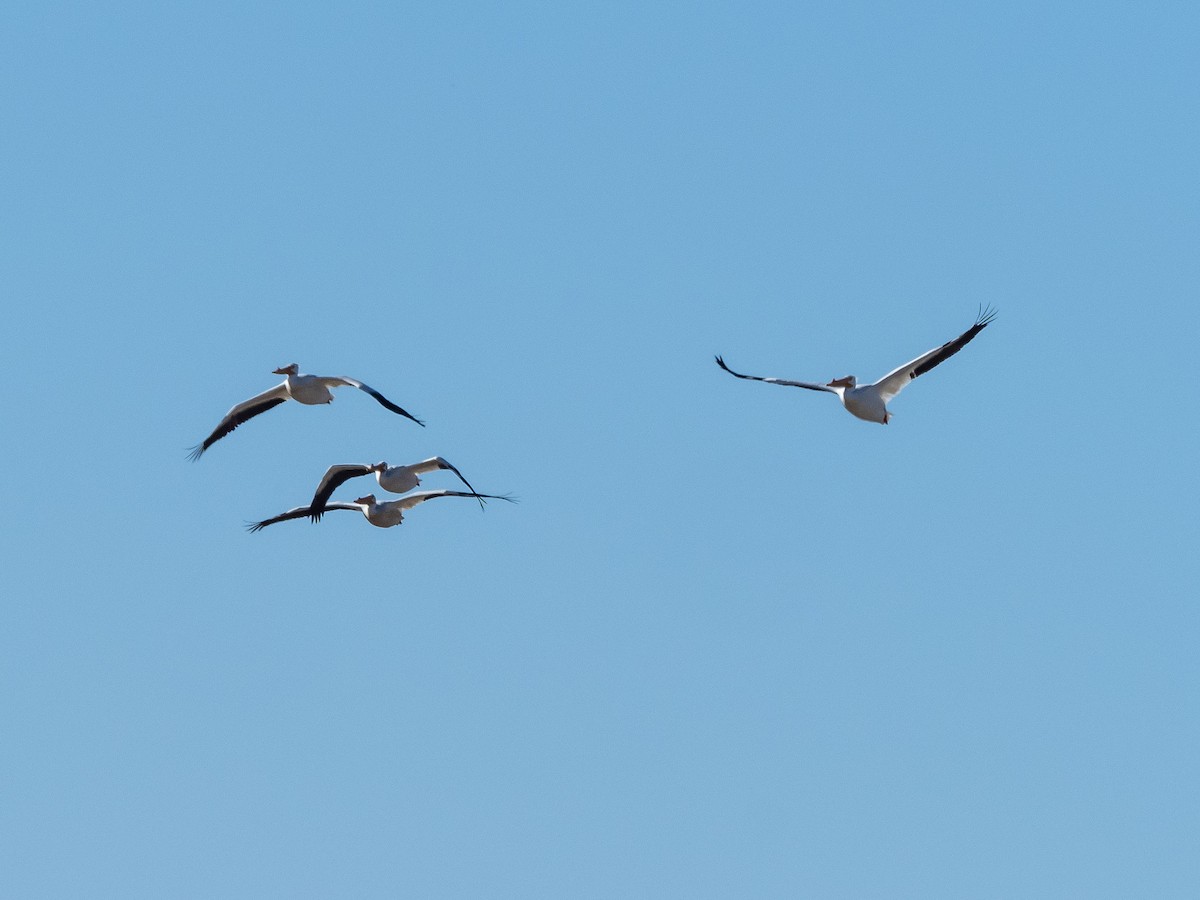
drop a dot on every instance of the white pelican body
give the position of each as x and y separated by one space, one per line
393 479
870 401
381 515
311 390
386 514
865 402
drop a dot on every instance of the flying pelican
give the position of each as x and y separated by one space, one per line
393 479
310 390
870 401
381 515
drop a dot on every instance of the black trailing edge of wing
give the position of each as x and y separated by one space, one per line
233 422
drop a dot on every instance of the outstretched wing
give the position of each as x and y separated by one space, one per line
800 384
896 380
408 501
383 401
243 412
443 464
334 477
298 513
436 462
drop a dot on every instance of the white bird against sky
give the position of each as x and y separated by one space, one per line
381 515
311 390
870 401
393 479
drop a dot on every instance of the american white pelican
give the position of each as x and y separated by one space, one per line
870 401
381 515
393 479
310 390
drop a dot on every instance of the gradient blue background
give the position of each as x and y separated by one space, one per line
733 641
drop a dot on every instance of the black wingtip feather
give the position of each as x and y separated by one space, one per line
506 497
389 405
445 464
985 316
948 349
721 362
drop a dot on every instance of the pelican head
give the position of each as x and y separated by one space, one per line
293 369
378 467
848 382
369 500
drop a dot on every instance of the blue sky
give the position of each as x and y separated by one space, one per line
733 641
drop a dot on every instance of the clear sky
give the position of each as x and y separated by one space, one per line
733 641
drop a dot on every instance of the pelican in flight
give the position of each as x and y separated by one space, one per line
381 515
311 390
393 479
870 400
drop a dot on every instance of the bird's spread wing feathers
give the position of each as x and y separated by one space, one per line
436 462
800 384
427 465
383 401
298 513
895 381
443 464
408 501
334 477
243 412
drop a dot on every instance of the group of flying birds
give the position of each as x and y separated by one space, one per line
868 401
313 390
